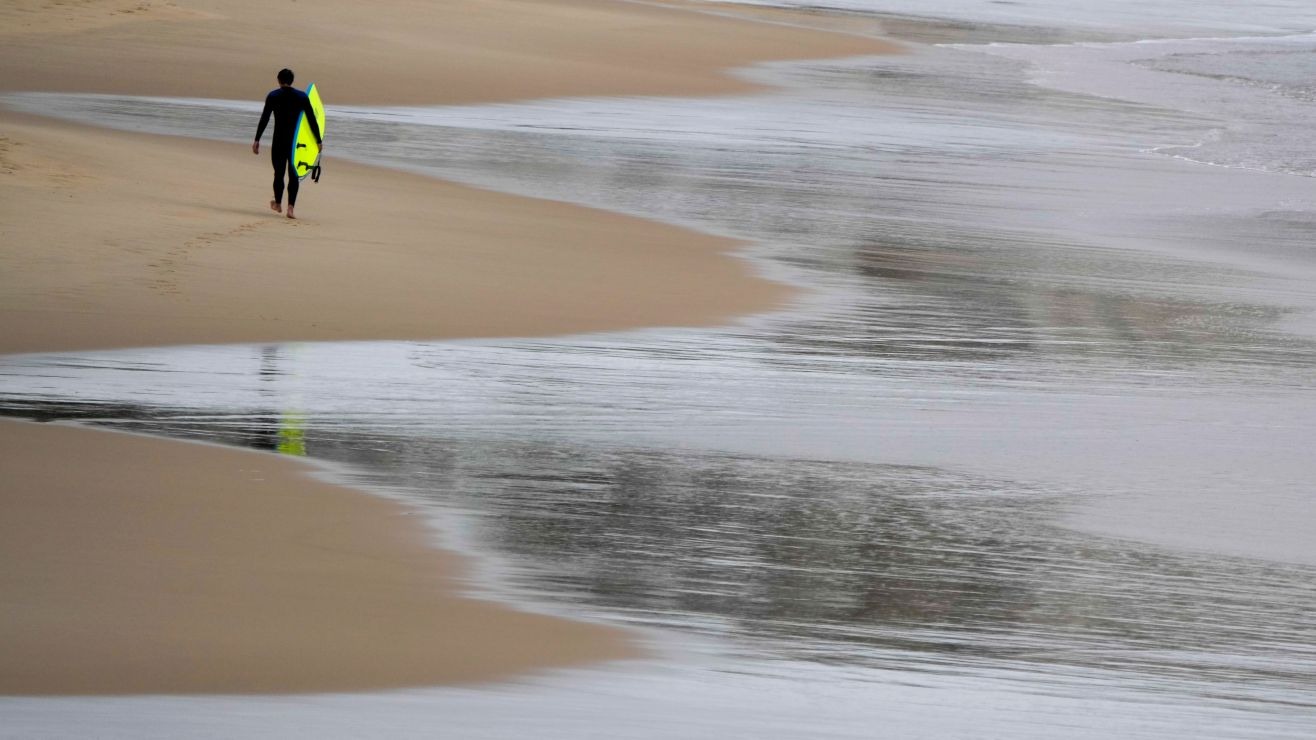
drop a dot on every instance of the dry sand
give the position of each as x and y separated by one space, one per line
111 240
134 565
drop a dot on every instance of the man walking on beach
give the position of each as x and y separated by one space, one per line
286 103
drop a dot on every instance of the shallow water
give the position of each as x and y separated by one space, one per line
1029 460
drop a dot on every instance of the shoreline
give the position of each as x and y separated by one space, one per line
109 241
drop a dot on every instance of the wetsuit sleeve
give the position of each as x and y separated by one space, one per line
265 116
310 118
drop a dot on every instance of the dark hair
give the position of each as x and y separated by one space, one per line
285 76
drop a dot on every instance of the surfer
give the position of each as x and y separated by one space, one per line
286 103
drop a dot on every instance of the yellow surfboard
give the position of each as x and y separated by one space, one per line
305 152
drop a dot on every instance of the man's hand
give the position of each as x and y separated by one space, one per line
255 147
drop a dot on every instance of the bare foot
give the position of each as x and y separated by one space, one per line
290 212
276 206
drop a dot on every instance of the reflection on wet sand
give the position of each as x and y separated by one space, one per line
865 564
285 432
844 563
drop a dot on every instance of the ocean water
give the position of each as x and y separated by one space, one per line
1127 18
1029 458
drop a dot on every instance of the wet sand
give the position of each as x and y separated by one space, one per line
155 567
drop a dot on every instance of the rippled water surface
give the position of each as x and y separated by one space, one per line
1030 458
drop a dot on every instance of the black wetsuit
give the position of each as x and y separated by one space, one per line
286 103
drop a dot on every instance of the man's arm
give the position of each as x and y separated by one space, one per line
264 119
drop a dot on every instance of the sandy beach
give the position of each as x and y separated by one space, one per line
159 567
115 242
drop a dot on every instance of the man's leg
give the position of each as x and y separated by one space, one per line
293 183
279 158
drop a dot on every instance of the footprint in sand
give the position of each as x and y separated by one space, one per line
172 266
